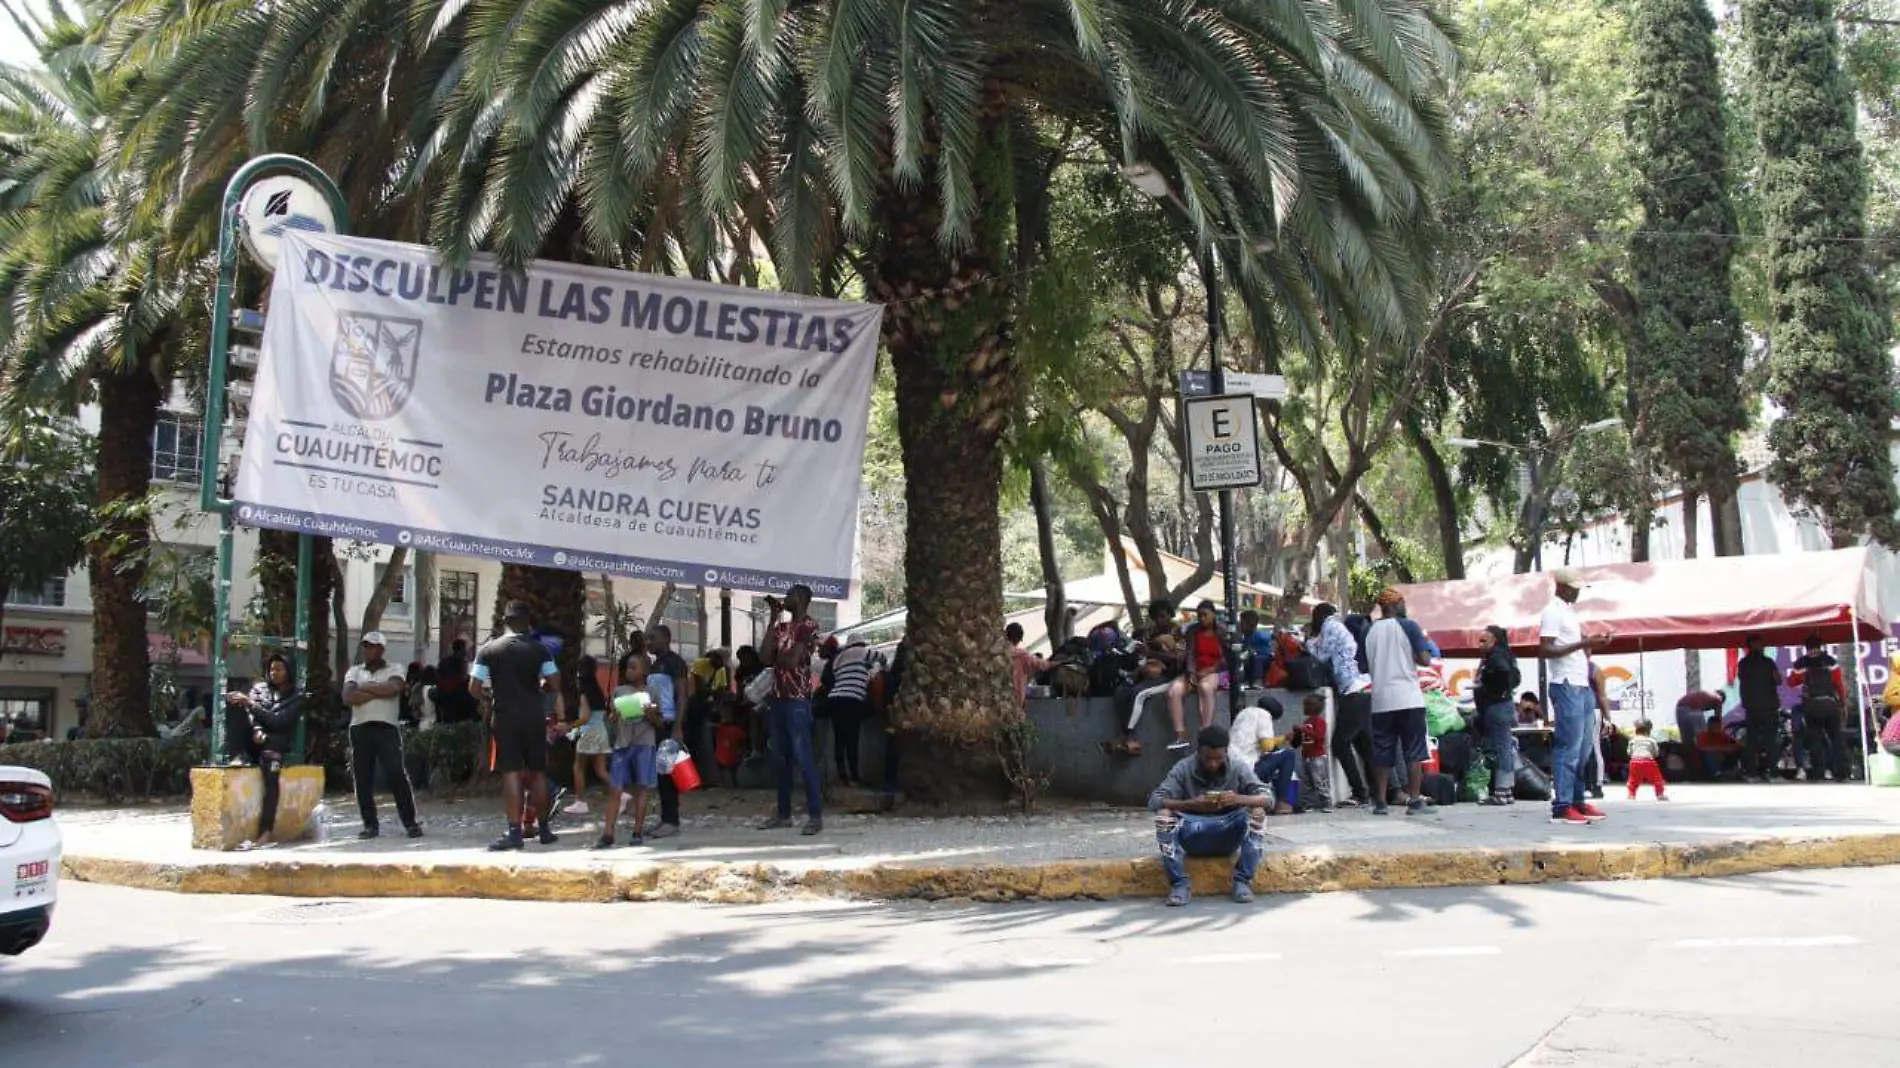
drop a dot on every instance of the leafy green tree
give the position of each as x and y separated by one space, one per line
1830 371
1532 253
1686 361
46 495
890 136
883 149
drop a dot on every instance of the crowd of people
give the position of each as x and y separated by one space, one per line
768 707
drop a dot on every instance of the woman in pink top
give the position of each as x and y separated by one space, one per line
1022 662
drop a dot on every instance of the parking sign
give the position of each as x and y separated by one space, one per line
1223 442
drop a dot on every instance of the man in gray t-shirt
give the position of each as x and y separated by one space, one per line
1395 649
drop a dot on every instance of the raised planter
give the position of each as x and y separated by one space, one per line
226 802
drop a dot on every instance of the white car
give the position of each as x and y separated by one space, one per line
30 848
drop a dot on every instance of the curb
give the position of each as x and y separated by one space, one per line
1301 872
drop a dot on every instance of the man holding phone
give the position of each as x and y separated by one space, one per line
1566 651
788 654
1210 806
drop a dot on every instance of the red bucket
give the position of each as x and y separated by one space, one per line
685 775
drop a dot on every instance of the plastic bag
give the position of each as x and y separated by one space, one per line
1477 780
669 754
1442 716
1531 785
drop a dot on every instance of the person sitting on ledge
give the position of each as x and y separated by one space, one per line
1253 742
1210 806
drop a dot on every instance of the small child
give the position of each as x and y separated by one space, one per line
1316 766
1645 763
729 745
631 768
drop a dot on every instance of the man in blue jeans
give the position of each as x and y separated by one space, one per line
1565 651
1210 806
788 654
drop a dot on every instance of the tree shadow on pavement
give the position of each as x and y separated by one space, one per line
719 997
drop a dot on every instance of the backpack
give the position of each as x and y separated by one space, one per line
1817 691
1442 789
1107 672
1069 677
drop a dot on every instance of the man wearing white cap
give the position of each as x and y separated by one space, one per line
373 690
1573 703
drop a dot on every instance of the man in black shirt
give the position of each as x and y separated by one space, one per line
516 669
1759 681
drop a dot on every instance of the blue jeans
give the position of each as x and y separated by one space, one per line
1574 710
1181 835
1499 719
1276 770
791 725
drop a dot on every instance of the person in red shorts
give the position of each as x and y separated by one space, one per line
1645 762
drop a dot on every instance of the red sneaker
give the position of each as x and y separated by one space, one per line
1593 813
1572 816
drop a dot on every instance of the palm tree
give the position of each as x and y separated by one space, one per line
87 310
890 150
901 138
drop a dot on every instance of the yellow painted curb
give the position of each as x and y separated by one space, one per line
1300 872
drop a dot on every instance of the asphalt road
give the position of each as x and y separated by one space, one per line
1789 969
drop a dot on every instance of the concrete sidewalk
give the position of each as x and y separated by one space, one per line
1060 853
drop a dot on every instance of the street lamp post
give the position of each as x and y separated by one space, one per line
1152 183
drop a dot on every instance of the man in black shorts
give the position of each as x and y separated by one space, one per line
516 669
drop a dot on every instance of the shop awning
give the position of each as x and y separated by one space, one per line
1679 604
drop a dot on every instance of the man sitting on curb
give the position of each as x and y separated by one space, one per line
1209 806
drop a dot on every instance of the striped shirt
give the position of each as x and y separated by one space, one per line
851 671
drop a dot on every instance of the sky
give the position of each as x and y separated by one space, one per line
13 46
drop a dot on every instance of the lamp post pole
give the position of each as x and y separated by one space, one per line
212 493
1230 578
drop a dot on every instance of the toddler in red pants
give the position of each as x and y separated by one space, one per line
1645 762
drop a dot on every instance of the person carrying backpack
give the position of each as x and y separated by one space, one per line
1818 676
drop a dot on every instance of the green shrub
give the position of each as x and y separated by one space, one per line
120 769
113 769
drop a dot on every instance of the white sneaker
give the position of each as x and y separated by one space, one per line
578 808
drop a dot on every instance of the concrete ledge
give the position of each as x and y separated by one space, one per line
1305 871
226 803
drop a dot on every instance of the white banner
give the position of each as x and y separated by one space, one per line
569 417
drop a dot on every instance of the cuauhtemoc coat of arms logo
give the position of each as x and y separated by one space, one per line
373 370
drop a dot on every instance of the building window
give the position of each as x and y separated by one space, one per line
25 715
51 595
455 598
682 618
175 448
399 598
825 614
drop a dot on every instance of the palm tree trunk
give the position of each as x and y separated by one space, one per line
948 328
118 558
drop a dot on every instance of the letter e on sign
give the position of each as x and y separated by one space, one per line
1223 442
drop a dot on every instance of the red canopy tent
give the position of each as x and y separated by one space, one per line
1712 603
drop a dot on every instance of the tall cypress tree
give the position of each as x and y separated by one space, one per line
1686 361
1830 370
